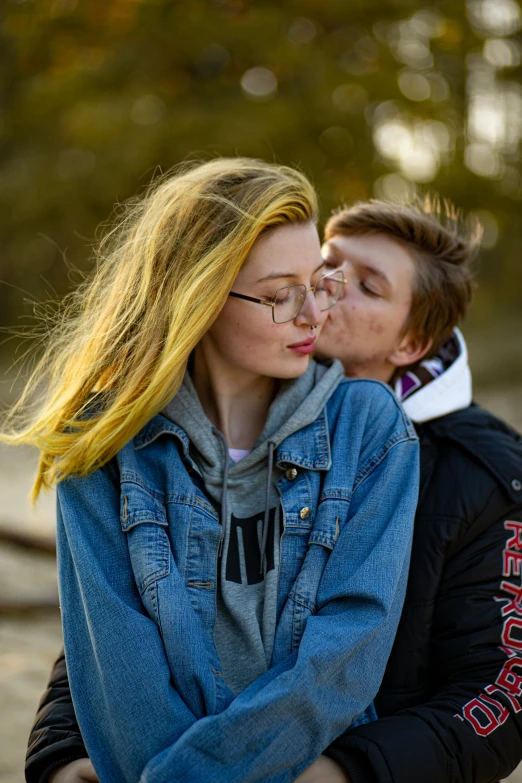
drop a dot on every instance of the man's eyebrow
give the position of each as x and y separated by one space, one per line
359 262
331 251
377 272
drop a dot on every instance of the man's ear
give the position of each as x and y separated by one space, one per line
410 350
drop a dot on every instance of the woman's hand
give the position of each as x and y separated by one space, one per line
80 771
324 770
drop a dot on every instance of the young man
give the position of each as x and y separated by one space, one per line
450 705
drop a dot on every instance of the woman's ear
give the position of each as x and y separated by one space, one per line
410 350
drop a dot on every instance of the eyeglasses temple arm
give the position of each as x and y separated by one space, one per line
251 299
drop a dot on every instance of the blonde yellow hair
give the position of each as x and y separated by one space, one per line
163 273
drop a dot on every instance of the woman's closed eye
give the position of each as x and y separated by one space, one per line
270 298
281 299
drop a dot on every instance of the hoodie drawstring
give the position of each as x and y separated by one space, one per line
266 520
224 443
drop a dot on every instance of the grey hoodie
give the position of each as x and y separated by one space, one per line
251 522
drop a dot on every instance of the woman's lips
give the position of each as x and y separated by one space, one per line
306 347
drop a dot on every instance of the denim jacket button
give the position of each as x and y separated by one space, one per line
291 474
304 513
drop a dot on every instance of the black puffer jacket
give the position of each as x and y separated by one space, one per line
450 702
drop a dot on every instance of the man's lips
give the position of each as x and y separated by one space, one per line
305 347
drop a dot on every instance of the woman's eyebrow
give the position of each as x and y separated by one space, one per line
281 275
277 276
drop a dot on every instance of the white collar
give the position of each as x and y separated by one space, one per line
451 391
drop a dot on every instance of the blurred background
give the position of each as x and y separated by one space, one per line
368 98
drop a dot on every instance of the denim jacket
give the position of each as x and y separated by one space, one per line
138 558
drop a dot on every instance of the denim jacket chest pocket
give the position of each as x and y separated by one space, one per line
143 519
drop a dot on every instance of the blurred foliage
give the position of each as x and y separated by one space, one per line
368 98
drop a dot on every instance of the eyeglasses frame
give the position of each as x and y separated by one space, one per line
272 304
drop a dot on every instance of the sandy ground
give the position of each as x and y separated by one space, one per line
29 644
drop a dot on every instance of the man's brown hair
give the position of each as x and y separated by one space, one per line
442 245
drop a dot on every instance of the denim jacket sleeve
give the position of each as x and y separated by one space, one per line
111 644
276 727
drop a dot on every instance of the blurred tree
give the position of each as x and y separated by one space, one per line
375 98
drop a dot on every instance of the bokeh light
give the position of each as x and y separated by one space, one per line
259 84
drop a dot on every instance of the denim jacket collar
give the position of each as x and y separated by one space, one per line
307 448
160 425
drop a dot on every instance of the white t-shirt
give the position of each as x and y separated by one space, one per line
237 454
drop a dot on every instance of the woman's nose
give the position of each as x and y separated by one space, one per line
310 314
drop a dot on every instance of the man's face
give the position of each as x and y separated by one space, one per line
365 329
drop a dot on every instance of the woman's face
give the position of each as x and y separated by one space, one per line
244 335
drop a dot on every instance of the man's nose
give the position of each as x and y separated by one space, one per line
347 280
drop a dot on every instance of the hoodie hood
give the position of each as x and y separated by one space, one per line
437 386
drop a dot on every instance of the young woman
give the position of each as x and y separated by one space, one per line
234 520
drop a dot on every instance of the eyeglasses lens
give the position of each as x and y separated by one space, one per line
328 290
288 302
290 299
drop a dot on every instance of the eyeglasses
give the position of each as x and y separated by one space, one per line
289 300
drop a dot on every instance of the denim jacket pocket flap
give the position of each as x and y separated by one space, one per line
328 523
322 538
138 507
144 524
